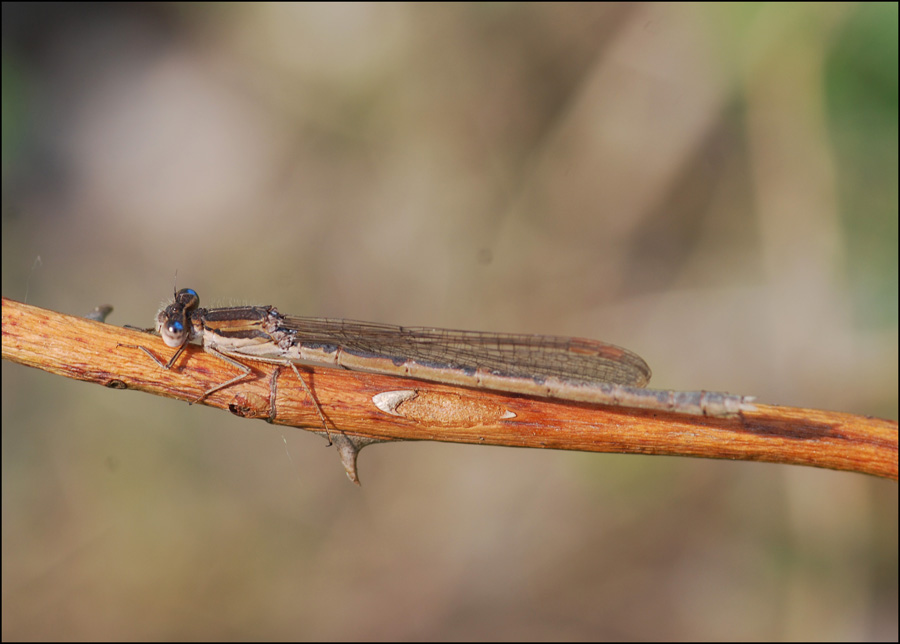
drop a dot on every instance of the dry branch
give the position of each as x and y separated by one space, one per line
361 408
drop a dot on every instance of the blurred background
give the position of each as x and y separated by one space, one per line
711 186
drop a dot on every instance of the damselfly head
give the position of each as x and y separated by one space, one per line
173 322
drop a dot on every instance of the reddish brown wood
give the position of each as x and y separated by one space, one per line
86 350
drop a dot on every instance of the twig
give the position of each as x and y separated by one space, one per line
362 408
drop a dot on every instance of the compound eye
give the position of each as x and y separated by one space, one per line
170 324
173 334
187 298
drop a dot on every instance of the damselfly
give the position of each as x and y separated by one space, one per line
537 365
